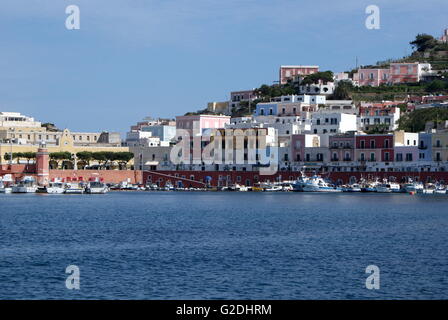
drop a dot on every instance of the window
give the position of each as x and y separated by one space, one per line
386 143
372 156
399 157
363 157
372 144
386 156
362 144
408 156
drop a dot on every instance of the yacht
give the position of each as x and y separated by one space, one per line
73 188
440 189
273 188
97 187
352 188
429 189
413 187
317 184
5 182
26 185
56 187
388 187
4 188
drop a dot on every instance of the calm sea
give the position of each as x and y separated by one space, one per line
188 245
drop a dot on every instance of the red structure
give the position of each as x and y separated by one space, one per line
42 166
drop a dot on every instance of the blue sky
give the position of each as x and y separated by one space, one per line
162 58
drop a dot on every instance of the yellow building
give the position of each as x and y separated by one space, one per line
64 143
440 146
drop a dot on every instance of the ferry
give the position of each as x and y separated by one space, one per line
26 185
97 187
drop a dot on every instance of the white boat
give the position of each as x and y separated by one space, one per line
413 187
73 188
5 183
56 188
440 190
4 188
26 185
352 188
273 188
317 184
300 183
96 187
429 189
387 187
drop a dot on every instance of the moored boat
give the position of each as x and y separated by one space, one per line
317 184
96 187
26 185
73 188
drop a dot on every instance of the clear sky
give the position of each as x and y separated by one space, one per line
162 58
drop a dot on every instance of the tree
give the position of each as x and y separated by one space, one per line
325 76
123 158
416 120
423 42
342 91
435 86
29 155
60 157
85 156
50 127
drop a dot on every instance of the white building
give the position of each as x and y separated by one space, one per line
332 122
374 117
15 119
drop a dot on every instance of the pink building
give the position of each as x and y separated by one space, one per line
444 38
372 77
408 72
289 72
201 122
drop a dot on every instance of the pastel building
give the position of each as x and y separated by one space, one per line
238 96
408 72
378 116
371 77
199 123
440 147
425 146
301 142
374 148
342 147
288 72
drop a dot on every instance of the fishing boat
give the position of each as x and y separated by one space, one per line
26 185
97 187
317 184
300 183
